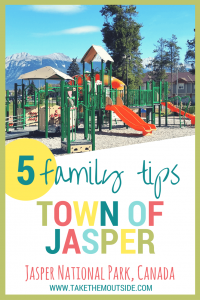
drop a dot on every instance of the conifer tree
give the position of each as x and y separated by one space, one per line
160 61
73 68
173 55
121 35
190 55
31 88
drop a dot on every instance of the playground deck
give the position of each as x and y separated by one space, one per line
14 134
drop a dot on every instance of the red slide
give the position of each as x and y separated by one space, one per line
131 119
175 109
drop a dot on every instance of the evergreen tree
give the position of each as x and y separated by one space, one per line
19 92
159 64
190 55
173 56
73 68
31 88
121 35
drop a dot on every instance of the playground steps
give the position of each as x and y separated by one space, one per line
78 146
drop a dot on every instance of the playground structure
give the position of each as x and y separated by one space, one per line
92 98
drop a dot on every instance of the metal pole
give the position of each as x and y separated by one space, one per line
85 111
159 107
166 103
153 112
62 95
46 109
93 128
110 113
177 86
38 108
101 97
35 97
23 106
68 129
7 110
139 100
15 110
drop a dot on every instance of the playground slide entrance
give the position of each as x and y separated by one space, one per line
131 119
175 109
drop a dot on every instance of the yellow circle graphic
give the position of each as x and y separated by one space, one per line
27 162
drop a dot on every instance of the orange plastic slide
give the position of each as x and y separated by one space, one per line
131 119
175 109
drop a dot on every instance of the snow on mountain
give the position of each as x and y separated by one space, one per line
146 61
20 63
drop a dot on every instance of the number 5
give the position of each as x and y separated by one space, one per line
22 168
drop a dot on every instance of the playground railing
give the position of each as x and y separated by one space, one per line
133 98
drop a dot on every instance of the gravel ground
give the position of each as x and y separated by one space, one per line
120 136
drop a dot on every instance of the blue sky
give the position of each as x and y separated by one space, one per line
72 29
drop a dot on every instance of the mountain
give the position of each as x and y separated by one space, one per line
21 63
146 61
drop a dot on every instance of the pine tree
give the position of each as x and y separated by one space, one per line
173 56
190 55
121 35
31 88
159 62
73 68
19 92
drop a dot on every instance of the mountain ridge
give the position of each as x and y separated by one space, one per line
21 63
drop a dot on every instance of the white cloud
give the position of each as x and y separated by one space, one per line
65 9
75 30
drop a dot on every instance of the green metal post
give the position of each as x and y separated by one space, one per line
110 65
23 106
127 96
166 100
139 100
102 74
46 109
62 95
83 74
153 109
85 110
7 110
159 107
147 110
101 97
68 129
100 104
38 109
110 113
35 97
93 128
180 106
110 120
92 80
147 91
15 110
125 101
77 105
